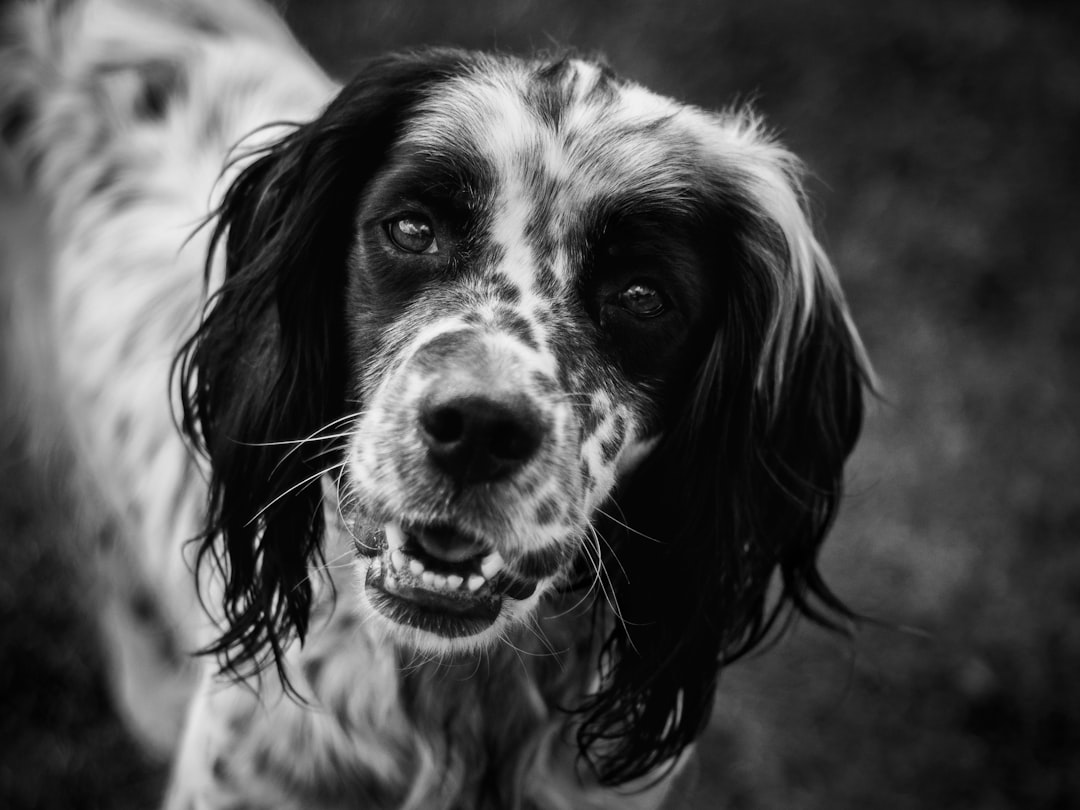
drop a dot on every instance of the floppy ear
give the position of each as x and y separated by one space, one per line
745 482
266 368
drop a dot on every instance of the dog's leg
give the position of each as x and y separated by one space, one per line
150 673
343 740
219 721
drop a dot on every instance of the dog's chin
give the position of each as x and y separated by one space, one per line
437 605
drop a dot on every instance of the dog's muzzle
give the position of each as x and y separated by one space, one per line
466 437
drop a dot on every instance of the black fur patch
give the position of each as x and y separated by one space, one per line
545 385
548 511
109 176
586 475
511 322
502 288
541 563
312 669
547 94
220 770
611 446
162 83
594 417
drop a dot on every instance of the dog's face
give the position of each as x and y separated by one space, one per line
528 285
540 325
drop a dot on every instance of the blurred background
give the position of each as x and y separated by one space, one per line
944 141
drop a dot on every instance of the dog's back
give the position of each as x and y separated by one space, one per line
117 118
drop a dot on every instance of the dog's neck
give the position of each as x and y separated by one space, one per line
480 729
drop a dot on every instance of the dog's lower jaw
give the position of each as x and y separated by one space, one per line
423 622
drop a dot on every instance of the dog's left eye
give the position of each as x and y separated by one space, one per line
413 234
641 300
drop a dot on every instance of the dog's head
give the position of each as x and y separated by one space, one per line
532 320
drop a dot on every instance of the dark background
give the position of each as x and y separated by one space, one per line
945 143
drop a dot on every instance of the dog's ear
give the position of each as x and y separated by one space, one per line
265 371
747 478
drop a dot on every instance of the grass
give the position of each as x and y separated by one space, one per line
942 139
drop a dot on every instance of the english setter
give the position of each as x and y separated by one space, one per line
504 386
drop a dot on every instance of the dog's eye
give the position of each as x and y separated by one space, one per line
413 234
641 300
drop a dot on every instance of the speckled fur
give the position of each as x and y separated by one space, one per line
125 116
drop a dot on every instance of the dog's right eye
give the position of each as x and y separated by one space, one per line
413 234
641 300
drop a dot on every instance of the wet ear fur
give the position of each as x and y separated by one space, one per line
745 483
266 369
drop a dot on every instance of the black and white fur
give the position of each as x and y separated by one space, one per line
512 385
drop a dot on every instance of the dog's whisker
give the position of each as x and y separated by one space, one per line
533 626
304 482
581 600
603 581
327 567
626 525
315 438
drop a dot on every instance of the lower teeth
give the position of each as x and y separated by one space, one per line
401 563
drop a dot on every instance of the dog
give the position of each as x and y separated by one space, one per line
460 416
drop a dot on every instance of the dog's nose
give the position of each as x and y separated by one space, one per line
477 438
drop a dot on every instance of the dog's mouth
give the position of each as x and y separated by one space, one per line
438 579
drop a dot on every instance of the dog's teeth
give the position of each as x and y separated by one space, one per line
428 577
398 559
439 582
491 565
416 567
454 581
395 537
476 582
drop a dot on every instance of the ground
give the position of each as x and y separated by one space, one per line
943 139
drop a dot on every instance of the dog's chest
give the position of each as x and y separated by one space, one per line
382 730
